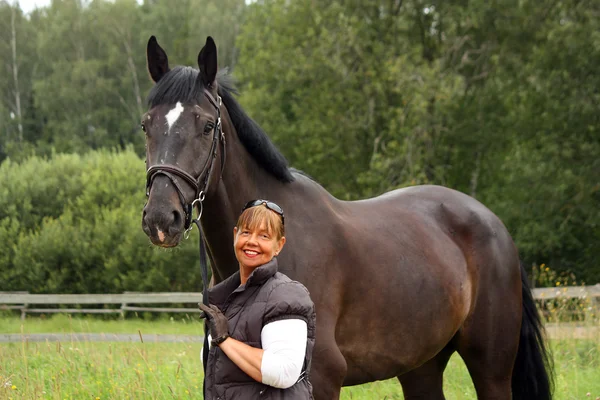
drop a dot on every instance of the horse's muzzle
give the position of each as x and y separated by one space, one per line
163 227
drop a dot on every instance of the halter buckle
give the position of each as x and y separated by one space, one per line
199 201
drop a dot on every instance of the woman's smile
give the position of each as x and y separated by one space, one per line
251 253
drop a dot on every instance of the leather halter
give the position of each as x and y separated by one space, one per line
199 185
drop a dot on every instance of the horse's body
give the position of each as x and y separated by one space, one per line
400 281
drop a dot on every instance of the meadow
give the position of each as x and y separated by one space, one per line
94 370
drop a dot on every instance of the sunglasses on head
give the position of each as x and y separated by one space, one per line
269 204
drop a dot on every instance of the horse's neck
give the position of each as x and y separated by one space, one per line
243 180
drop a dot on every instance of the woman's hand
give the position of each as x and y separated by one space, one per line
217 323
247 358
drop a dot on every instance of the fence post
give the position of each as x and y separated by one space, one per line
595 303
24 311
123 305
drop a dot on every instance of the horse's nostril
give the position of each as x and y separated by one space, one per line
176 218
145 225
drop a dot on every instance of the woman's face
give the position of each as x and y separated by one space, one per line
254 248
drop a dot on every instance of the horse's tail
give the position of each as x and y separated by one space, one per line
533 372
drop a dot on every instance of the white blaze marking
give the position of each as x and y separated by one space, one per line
161 235
174 114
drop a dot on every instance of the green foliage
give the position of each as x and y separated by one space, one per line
72 224
499 101
547 188
496 99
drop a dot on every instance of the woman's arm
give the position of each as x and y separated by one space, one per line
280 361
247 358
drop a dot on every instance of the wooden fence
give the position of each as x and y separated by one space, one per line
128 301
132 301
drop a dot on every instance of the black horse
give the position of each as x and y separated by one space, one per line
400 281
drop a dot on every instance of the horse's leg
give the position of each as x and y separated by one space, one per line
489 339
327 371
425 382
329 366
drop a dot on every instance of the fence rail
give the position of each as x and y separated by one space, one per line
568 292
22 300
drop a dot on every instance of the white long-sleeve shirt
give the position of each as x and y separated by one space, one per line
284 344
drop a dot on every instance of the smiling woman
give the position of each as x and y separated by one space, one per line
258 237
261 323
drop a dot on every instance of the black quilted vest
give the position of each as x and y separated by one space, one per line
267 296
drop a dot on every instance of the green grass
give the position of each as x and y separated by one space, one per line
89 370
61 323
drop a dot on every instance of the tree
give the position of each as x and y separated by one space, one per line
17 46
485 97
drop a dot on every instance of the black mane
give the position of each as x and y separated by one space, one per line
182 84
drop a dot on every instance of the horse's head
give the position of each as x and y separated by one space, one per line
183 137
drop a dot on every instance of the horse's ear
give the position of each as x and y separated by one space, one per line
158 63
207 61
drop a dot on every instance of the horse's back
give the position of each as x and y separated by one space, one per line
432 201
434 210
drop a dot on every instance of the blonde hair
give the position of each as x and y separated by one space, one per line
253 217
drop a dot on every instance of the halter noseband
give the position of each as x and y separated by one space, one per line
200 187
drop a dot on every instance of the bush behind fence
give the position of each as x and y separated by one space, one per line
72 224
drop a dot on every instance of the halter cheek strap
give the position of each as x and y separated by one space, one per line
199 185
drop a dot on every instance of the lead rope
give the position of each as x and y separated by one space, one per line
204 275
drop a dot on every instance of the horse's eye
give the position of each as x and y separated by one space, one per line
143 127
208 127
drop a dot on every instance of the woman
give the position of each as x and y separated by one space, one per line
261 323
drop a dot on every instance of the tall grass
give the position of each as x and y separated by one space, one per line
85 370
90 370
181 324
576 311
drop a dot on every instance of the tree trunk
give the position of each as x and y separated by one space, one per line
136 83
15 71
475 175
